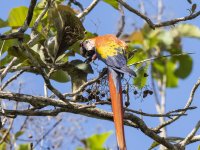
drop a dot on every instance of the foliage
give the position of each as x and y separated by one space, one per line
8 140
95 141
45 51
156 43
56 49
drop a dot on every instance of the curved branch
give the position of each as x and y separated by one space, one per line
129 119
88 9
189 102
86 84
161 24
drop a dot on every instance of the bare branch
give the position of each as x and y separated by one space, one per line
5 71
143 127
161 24
121 22
86 84
194 139
7 132
20 33
168 114
10 80
190 99
190 135
28 17
47 133
130 119
41 15
45 77
131 9
88 9
174 21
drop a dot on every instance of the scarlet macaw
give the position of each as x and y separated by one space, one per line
111 50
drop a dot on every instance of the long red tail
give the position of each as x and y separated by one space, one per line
117 106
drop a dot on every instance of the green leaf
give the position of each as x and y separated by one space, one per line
89 35
97 141
153 145
79 64
6 60
184 66
60 76
17 16
15 51
172 80
198 147
158 66
186 30
7 43
18 134
171 139
137 57
63 58
3 146
3 23
24 147
166 38
165 67
75 47
140 80
113 3
80 148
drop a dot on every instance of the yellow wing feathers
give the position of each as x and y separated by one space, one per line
109 45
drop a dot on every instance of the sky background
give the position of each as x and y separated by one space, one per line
103 20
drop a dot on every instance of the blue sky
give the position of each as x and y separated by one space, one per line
103 19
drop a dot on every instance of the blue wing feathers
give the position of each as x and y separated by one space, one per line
118 63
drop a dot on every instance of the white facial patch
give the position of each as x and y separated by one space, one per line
88 45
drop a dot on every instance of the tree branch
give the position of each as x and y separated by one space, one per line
5 71
129 119
104 71
10 80
88 9
20 33
190 99
161 24
190 135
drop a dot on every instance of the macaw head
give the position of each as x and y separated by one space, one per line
87 49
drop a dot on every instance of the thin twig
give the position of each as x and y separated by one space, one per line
44 75
168 114
11 79
161 24
121 22
194 139
28 17
189 137
189 102
86 84
7 132
47 133
41 15
128 7
20 33
159 57
7 68
160 10
88 9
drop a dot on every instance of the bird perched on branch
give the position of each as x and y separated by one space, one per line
111 51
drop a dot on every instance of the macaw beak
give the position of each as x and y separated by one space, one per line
89 54
82 50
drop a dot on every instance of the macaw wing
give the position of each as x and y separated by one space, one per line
118 63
